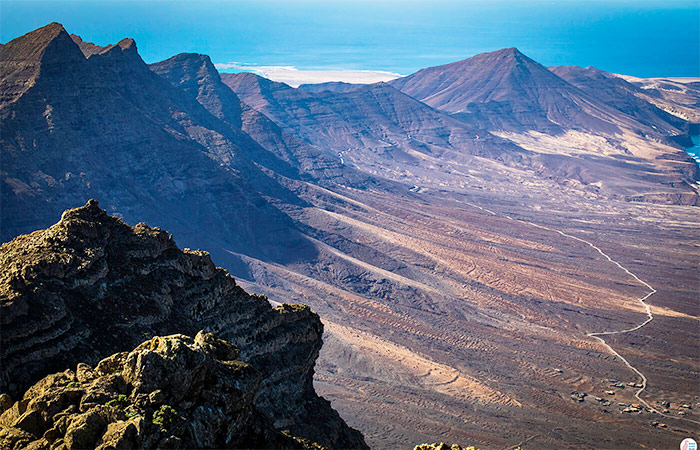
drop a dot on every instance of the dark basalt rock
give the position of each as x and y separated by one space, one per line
92 285
169 392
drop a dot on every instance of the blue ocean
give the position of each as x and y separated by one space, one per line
645 38
694 151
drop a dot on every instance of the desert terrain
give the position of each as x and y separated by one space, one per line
479 333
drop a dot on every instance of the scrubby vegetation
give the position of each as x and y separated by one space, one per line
165 415
120 402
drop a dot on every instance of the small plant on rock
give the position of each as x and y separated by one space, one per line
164 416
130 414
120 402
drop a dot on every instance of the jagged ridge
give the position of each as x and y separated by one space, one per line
91 285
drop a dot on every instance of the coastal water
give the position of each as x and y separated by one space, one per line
648 38
694 151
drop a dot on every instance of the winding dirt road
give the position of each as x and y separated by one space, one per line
597 335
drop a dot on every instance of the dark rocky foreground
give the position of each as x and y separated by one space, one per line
91 286
169 392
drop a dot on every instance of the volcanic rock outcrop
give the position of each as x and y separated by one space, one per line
92 285
169 392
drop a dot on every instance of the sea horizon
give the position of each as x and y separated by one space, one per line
643 39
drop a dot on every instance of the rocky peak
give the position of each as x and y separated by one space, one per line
91 285
187 65
250 83
90 212
42 52
33 45
48 45
120 57
169 392
196 75
125 46
510 55
510 51
273 148
506 90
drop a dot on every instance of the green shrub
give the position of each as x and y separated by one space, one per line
165 415
120 402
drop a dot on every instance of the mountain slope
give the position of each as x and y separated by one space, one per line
288 155
503 90
507 91
369 124
514 97
108 127
387 133
624 97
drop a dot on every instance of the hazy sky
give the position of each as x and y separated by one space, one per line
642 38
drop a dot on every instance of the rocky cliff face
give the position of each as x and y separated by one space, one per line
79 122
91 285
169 392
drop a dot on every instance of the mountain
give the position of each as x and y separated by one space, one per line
288 155
91 285
169 391
106 126
370 126
624 97
507 91
382 131
503 90
516 98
